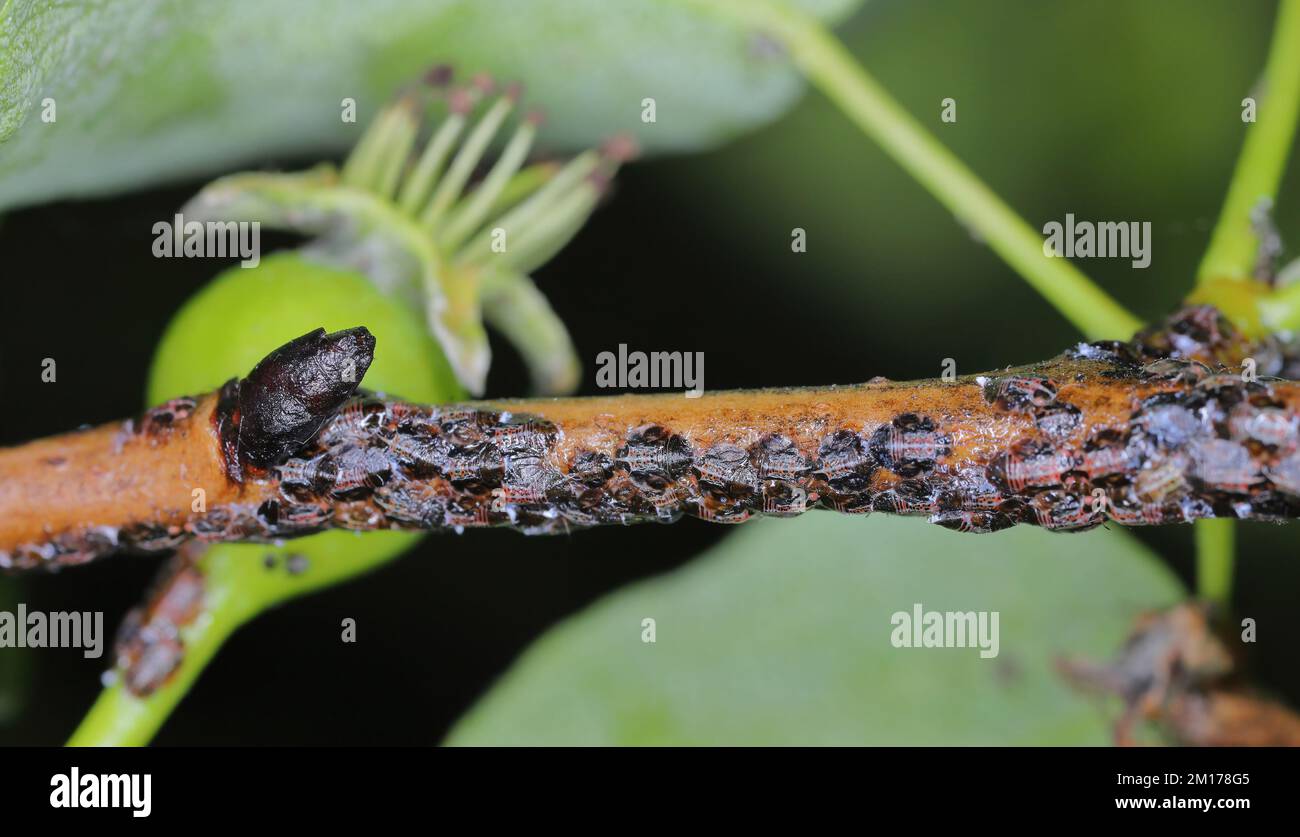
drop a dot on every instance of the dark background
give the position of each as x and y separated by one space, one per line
1110 110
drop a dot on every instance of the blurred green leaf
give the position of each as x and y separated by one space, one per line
782 636
1117 146
145 92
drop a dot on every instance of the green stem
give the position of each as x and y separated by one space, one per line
1234 244
521 312
120 719
828 65
524 183
238 585
1215 542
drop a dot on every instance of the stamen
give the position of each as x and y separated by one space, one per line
396 149
368 165
470 213
415 190
550 224
360 162
535 244
526 213
462 165
523 184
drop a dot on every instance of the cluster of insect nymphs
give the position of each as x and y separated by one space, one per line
1198 440
1209 443
1215 443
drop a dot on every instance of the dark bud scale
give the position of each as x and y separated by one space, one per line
292 392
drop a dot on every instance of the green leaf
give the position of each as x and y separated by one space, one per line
782 636
145 92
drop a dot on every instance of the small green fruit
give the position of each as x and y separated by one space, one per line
227 327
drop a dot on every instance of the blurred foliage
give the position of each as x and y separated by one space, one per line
1110 110
781 636
146 92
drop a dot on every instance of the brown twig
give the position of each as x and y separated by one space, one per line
1154 431
154 482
